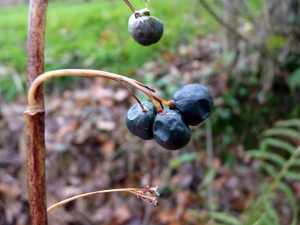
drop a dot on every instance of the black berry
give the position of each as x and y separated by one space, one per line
170 131
194 102
140 122
145 29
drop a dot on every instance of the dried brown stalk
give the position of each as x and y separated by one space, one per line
139 192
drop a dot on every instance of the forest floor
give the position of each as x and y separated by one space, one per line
89 148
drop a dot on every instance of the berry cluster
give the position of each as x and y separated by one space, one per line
190 105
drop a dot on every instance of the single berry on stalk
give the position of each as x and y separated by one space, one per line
194 102
170 131
145 29
139 121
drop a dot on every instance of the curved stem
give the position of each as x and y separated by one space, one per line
139 192
34 108
136 98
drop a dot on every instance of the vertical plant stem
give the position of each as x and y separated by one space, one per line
35 123
210 157
219 20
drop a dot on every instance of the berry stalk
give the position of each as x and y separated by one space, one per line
139 192
131 7
34 107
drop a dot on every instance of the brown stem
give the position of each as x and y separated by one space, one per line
219 20
34 107
133 95
35 123
139 192
130 6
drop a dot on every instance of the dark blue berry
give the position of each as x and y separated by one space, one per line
170 131
145 29
140 122
194 102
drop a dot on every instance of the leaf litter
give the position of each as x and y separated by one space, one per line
89 148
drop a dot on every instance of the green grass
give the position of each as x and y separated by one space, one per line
95 35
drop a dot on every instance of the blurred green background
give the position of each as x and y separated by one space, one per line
94 35
246 52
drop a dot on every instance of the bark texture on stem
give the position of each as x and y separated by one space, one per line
35 125
36 168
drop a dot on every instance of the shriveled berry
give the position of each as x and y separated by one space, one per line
145 29
140 122
170 131
194 102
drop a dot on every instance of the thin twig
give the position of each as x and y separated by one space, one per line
130 6
139 192
133 95
250 14
209 152
219 20
259 47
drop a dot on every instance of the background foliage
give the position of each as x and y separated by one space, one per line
97 40
246 52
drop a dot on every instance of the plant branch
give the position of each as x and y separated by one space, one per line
34 107
210 158
35 125
219 20
250 13
139 192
